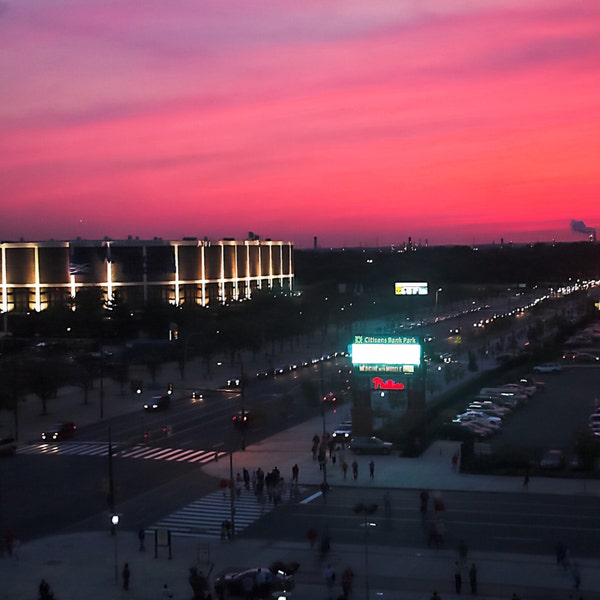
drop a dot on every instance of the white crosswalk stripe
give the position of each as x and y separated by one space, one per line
137 451
203 517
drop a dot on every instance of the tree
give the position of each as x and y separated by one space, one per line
45 377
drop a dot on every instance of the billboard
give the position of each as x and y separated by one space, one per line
418 288
386 353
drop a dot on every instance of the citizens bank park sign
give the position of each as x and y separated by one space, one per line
386 353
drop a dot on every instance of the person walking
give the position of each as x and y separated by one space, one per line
344 469
457 577
355 470
295 471
126 575
473 578
347 579
463 550
329 577
371 469
142 538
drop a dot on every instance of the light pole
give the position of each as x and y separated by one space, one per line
437 295
114 520
366 510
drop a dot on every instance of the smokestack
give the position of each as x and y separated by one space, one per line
580 227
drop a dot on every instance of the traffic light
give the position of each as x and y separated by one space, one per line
169 389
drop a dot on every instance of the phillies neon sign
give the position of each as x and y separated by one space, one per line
389 384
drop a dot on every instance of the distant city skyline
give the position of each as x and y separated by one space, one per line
355 122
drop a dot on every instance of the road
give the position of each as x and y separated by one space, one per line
492 522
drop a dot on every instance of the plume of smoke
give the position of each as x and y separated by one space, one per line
581 227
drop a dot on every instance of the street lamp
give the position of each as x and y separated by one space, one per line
114 520
437 295
366 510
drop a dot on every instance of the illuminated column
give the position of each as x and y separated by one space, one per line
203 274
222 275
270 265
176 253
236 280
109 281
248 291
38 296
259 268
4 282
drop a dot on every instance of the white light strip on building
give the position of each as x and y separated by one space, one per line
203 300
270 266
176 253
236 281
222 276
248 271
4 282
38 295
109 281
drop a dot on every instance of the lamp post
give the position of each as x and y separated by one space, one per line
366 510
437 295
114 520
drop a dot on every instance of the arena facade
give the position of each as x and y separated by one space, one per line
39 275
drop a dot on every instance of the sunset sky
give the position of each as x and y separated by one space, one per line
360 122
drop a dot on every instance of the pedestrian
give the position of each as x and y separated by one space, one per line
295 471
347 578
344 469
424 497
355 469
576 576
44 589
142 539
329 577
261 583
166 593
246 477
463 550
126 574
473 578
325 546
457 577
371 469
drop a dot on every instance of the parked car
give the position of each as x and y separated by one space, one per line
8 446
550 367
553 459
236 582
59 432
370 445
158 403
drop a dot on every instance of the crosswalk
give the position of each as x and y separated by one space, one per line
203 517
140 451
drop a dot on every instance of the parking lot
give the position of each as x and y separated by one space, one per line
552 418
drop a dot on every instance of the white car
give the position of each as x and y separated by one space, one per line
551 367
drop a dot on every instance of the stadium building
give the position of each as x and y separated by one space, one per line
39 275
